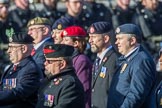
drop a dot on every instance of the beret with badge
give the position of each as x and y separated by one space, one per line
62 23
99 28
21 38
74 31
58 50
129 29
39 21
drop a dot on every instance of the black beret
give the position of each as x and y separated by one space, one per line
62 23
21 38
99 28
128 29
58 50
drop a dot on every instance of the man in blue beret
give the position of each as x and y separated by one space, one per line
62 88
20 81
135 75
58 27
100 35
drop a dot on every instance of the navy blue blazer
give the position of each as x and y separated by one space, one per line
18 88
133 82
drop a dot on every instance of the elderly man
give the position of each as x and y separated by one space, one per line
40 29
20 82
62 88
135 76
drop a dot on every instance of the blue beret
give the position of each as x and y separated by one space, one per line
58 50
99 28
62 23
21 38
129 29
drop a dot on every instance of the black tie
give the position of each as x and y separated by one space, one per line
96 66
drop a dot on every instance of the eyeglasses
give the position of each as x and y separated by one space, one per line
52 61
13 47
31 29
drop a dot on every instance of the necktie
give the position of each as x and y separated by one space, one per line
33 52
96 66
14 67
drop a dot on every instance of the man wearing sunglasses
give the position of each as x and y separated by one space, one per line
62 88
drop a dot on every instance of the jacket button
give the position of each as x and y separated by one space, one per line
92 90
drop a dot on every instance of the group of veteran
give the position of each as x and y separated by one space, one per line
47 74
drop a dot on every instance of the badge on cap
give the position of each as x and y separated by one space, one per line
118 30
92 30
59 26
9 33
65 33
32 22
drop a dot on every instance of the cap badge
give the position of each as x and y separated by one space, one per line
32 22
9 33
65 33
118 30
59 27
92 30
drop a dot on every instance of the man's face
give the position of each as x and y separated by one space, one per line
123 43
56 35
97 42
150 4
75 6
15 52
3 11
36 31
53 65
160 62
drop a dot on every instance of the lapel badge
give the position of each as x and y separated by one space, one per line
56 81
123 67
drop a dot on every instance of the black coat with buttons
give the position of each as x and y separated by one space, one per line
63 90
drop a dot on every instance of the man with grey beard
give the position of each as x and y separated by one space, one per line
100 35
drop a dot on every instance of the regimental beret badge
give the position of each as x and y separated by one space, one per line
9 33
118 30
92 30
32 22
65 33
59 27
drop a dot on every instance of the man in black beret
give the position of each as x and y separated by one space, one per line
20 81
62 88
100 35
135 76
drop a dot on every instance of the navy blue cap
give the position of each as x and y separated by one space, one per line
21 38
129 29
62 23
58 50
99 28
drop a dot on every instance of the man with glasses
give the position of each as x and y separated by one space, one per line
62 88
40 29
20 82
